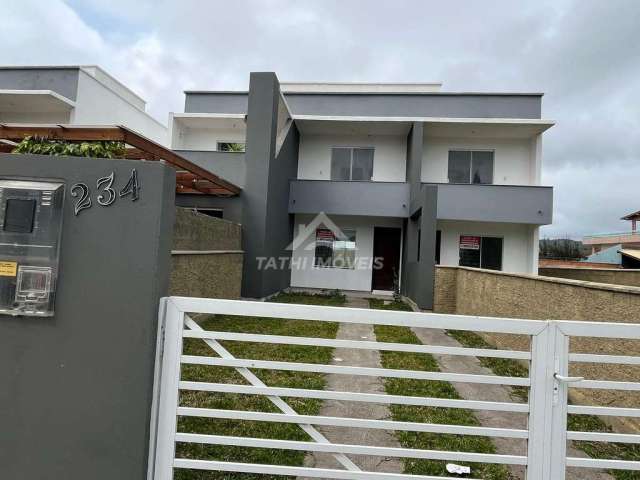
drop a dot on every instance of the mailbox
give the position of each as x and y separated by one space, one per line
30 229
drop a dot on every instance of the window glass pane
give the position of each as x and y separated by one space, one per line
469 251
324 248
459 166
438 244
362 164
344 250
492 253
482 167
340 164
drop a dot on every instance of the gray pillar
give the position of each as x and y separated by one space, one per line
267 225
420 227
76 388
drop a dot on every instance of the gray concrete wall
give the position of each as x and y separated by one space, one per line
279 225
228 165
378 199
261 171
419 277
418 272
496 203
60 80
221 102
77 387
385 105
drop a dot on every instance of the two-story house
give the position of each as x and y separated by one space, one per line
408 176
73 95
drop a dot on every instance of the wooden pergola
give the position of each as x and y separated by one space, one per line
190 178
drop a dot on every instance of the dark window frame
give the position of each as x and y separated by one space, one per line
471 152
329 260
482 237
352 150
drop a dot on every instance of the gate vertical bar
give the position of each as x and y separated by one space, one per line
153 427
168 391
540 404
559 410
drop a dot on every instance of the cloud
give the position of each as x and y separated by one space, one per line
582 53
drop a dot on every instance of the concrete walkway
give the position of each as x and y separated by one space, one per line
495 393
334 408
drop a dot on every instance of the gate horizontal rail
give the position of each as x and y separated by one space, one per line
547 407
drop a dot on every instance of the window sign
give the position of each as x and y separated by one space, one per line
334 252
480 252
469 242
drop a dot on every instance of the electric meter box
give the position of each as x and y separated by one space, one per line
30 229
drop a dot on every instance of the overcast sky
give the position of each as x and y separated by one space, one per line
585 56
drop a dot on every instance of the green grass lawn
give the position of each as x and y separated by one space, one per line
291 353
424 388
580 423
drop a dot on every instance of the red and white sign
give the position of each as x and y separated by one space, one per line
469 242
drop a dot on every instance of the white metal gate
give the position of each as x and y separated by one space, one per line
547 407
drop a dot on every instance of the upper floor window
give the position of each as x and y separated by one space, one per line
351 163
470 166
230 147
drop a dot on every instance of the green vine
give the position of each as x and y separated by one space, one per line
94 149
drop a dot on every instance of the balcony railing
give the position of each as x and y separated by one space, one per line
380 199
482 203
496 203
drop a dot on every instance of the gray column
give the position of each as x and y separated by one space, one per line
76 388
420 227
267 225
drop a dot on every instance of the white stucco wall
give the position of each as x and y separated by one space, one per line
514 159
203 139
389 158
520 251
35 117
98 105
305 275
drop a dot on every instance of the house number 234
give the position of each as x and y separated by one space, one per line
106 193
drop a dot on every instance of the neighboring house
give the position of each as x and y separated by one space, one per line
623 247
77 95
407 172
607 256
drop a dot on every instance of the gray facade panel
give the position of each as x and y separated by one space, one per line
496 203
377 199
60 80
228 165
431 105
76 392
216 102
419 260
280 226
261 141
381 105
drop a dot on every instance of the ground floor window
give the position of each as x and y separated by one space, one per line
335 251
481 252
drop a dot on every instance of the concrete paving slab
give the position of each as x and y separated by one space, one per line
334 408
